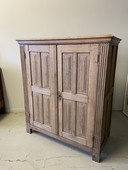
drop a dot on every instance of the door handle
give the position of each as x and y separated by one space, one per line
59 95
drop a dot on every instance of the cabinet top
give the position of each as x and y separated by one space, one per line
72 40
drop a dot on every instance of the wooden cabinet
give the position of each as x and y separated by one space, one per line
68 88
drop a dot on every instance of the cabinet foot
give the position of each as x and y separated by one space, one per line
2 110
29 130
96 156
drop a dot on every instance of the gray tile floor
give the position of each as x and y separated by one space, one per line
22 151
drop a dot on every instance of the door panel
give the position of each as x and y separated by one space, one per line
82 79
67 72
68 118
46 103
37 107
35 64
81 117
45 70
77 78
42 86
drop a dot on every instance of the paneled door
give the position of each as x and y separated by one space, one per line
42 86
77 80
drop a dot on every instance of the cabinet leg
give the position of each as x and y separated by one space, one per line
29 130
2 110
96 156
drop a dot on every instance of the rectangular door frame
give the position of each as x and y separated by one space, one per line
52 92
93 71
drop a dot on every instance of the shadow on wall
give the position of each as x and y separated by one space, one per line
12 87
117 145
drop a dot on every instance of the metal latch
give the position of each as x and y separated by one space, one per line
59 95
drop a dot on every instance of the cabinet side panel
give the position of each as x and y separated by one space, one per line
102 69
111 66
24 76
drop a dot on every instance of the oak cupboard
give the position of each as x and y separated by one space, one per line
68 88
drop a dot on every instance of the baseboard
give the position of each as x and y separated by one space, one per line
117 110
15 110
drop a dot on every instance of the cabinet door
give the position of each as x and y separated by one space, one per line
42 84
77 79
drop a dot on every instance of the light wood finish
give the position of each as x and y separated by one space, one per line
75 97
42 93
41 90
72 40
24 76
78 64
68 88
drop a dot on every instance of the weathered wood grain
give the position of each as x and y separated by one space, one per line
68 88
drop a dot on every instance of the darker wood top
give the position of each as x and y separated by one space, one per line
72 40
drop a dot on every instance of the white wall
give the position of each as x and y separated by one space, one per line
58 18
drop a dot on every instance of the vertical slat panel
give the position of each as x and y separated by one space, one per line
66 115
38 107
69 116
41 119
83 65
100 101
53 88
114 57
35 68
67 73
35 107
104 120
93 70
81 119
73 118
108 70
109 115
28 72
46 104
60 64
109 92
73 73
45 69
